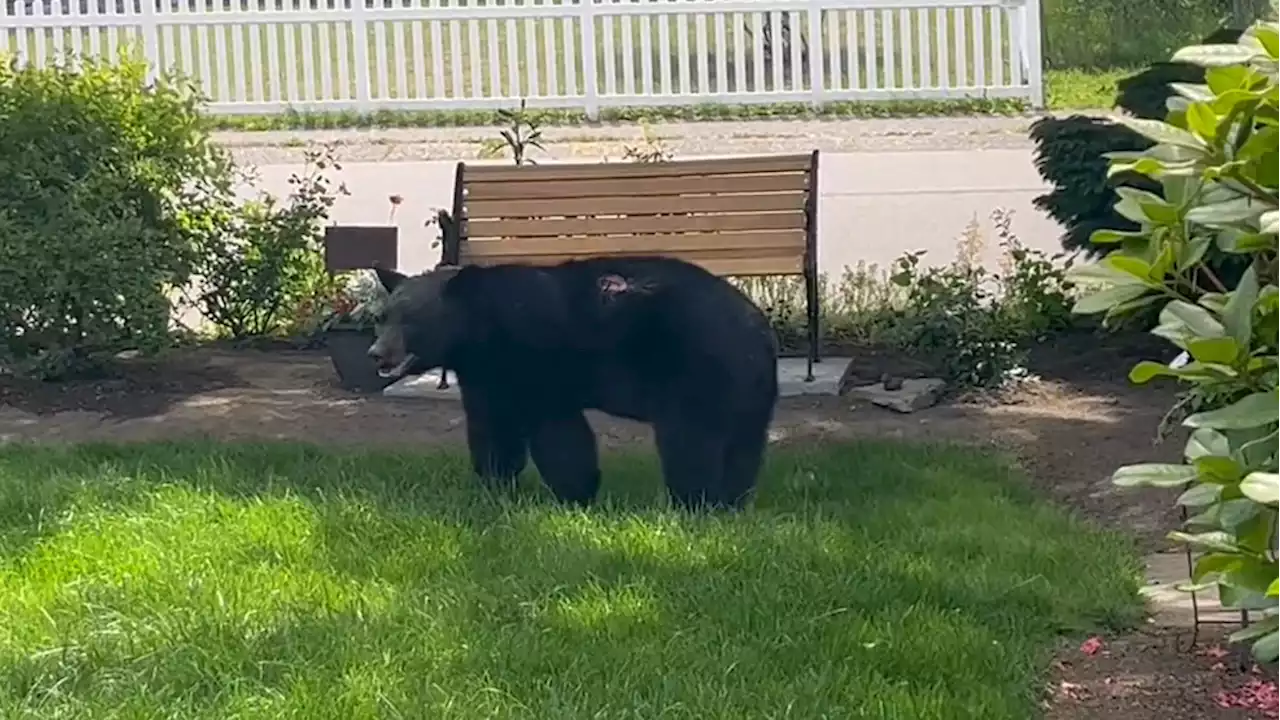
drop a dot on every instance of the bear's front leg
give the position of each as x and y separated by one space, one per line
564 451
496 438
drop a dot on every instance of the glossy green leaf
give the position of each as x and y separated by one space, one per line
1261 408
1160 475
1162 132
1213 55
1237 316
1182 322
1108 237
1236 513
1267 37
1104 300
1259 144
1220 350
1202 120
1199 495
1206 441
1223 80
1214 540
1244 242
1227 211
1193 92
1213 563
1220 469
1193 251
1261 487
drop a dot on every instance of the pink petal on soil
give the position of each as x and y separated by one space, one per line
1091 646
1258 695
1214 651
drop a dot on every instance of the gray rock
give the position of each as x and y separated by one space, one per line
914 394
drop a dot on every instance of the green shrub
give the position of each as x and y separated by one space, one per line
1071 156
968 324
1216 159
93 163
259 265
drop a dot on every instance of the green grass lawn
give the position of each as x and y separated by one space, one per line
870 580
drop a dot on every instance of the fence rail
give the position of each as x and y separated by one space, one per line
267 56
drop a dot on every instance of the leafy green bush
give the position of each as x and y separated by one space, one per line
94 162
259 264
1071 157
970 325
1215 157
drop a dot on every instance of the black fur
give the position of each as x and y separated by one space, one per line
650 339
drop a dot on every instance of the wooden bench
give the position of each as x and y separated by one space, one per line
738 216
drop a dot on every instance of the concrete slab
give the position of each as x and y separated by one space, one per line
791 372
1171 607
826 376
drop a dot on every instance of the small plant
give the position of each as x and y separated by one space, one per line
356 305
522 133
1036 295
261 263
652 148
952 320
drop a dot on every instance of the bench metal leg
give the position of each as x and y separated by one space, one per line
811 266
811 311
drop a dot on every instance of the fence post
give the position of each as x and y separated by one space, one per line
816 85
360 54
1033 52
150 37
591 102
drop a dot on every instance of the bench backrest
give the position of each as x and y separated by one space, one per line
734 216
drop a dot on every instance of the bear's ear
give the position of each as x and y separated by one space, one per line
390 279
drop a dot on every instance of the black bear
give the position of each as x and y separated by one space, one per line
653 339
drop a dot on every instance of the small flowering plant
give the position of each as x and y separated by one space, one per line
356 306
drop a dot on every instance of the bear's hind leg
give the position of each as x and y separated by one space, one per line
692 463
564 451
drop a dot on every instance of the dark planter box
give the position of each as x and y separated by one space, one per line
360 247
348 350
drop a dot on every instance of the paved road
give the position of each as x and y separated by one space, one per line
873 205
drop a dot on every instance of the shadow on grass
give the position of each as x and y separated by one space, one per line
870 579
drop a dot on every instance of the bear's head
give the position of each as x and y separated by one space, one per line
420 325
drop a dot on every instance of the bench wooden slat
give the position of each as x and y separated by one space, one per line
571 207
769 242
635 224
530 189
597 171
779 261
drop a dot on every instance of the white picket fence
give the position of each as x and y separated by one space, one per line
267 56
